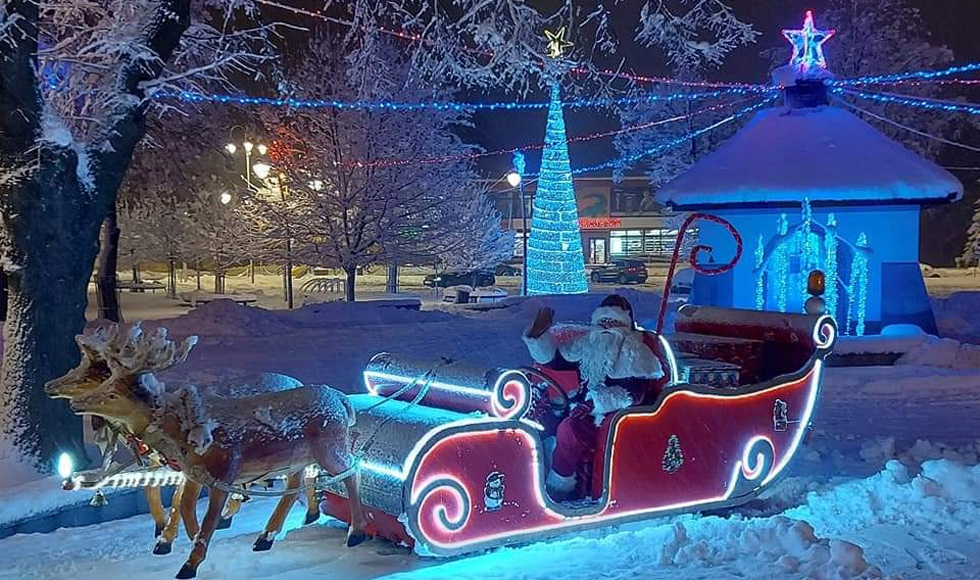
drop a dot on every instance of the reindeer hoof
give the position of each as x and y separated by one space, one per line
311 517
186 572
162 548
355 537
224 523
262 545
157 530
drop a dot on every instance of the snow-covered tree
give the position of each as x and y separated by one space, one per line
971 250
480 241
696 37
74 81
357 206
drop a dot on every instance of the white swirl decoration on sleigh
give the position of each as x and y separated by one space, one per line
444 503
511 396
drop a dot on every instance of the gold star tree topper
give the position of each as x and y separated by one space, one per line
556 42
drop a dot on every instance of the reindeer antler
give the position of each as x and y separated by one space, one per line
140 353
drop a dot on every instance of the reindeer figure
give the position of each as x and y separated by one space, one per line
227 442
85 378
93 370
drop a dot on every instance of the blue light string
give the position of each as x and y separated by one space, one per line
673 142
925 74
969 108
441 105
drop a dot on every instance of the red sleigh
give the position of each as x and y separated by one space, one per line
461 467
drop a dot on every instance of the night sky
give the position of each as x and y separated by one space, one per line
952 22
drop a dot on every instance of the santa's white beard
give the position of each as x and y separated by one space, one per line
605 345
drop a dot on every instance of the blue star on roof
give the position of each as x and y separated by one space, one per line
808 46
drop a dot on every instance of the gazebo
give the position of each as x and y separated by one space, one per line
811 186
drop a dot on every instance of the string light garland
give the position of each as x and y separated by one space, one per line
445 105
925 74
947 106
535 146
907 128
578 70
671 143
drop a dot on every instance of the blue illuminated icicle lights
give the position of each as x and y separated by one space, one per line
555 262
831 292
923 74
947 106
446 105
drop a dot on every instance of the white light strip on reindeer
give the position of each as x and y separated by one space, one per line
156 478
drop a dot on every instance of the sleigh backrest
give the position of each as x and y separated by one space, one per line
763 344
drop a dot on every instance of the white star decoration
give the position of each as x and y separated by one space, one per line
808 46
556 42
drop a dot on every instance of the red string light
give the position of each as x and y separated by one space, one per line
536 146
579 70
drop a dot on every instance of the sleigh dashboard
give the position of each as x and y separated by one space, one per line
461 466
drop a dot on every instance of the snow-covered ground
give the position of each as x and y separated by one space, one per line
886 487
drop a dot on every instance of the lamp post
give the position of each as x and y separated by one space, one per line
515 178
247 146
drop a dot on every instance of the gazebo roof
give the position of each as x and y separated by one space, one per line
824 153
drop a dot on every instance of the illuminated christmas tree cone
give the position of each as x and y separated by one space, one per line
555 262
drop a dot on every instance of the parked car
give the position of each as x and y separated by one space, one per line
508 270
620 272
476 279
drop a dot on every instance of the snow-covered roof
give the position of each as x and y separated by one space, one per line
824 153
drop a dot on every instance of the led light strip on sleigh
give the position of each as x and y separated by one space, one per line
441 526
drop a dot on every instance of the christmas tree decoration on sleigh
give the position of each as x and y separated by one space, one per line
612 423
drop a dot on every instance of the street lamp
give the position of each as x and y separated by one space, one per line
248 146
515 180
261 169
224 198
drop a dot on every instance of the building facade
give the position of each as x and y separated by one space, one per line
618 220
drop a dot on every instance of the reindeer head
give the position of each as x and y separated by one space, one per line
93 369
131 393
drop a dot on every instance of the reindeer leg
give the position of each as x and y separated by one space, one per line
312 507
274 526
166 539
216 502
358 523
335 461
155 502
188 507
234 504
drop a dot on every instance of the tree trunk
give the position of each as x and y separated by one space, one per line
172 278
52 254
349 285
391 284
105 285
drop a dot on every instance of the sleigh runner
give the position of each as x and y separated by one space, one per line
457 462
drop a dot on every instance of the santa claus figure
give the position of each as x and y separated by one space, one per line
615 367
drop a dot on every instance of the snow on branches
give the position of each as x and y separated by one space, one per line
348 212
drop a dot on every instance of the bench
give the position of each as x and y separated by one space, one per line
140 286
199 298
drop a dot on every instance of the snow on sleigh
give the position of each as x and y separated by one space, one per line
456 462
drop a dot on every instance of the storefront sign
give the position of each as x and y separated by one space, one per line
599 223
